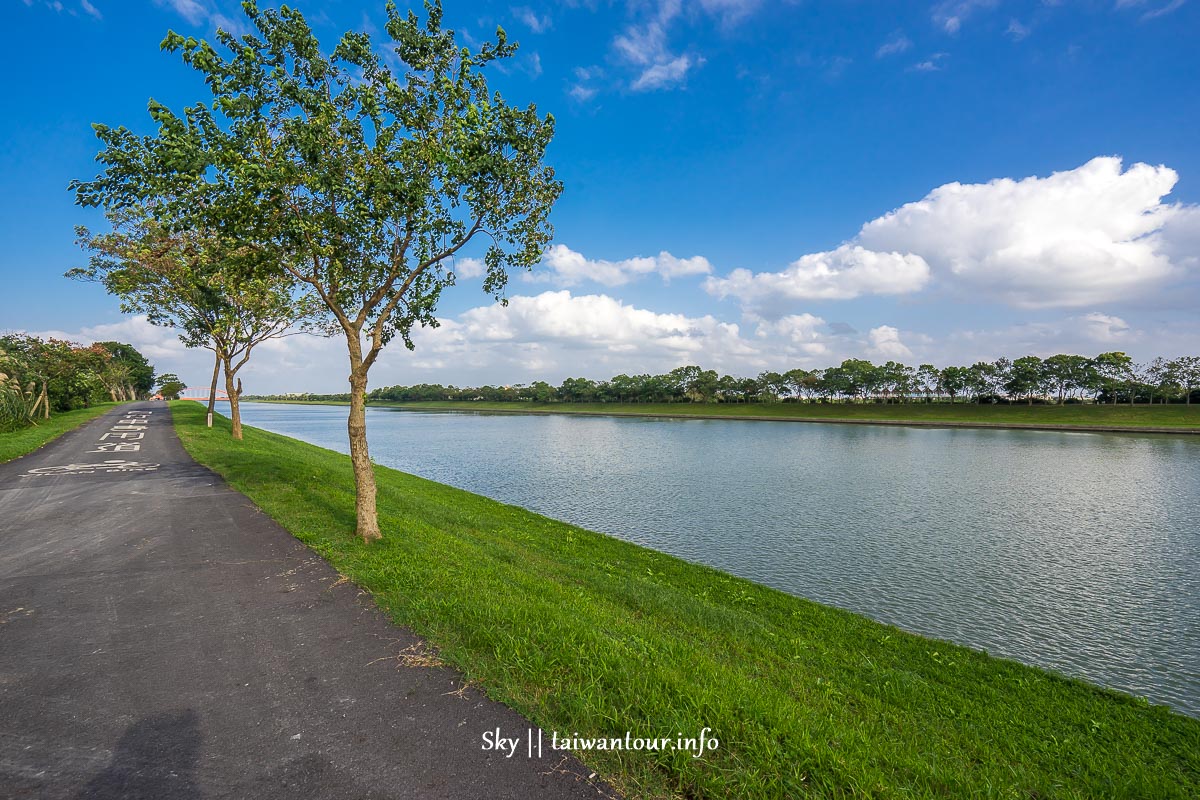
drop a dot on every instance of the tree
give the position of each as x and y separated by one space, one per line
1186 370
953 381
131 364
772 386
361 183
169 386
1114 371
1025 378
929 380
203 282
1066 373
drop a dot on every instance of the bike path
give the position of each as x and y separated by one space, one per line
160 637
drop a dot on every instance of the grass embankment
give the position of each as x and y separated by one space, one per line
26 440
583 632
1180 417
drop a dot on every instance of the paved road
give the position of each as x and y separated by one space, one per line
162 638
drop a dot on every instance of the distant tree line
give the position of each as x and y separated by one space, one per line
1107 378
40 376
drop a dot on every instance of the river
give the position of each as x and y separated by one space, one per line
1079 552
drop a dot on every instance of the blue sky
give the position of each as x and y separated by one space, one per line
748 185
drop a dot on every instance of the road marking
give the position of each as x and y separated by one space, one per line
112 465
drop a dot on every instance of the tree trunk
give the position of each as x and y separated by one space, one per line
45 402
235 412
365 514
212 391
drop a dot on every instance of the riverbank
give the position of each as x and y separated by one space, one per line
587 634
1093 418
20 442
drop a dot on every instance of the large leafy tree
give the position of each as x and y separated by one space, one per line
132 376
363 175
1186 371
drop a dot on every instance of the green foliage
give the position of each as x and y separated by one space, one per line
17 402
15 443
363 181
337 174
206 283
54 375
169 386
583 632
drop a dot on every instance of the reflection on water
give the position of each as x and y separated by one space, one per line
1075 551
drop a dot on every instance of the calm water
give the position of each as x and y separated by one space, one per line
1075 551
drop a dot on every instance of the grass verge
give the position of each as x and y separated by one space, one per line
585 633
1181 417
17 443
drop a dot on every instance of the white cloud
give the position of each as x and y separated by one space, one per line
931 64
1087 236
1153 13
660 76
802 331
1081 237
644 47
886 344
1016 30
730 11
566 267
949 15
209 13
533 21
191 10
581 93
468 268
90 9
849 271
897 43
1105 328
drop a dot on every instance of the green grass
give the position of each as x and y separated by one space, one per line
1162 416
583 632
26 440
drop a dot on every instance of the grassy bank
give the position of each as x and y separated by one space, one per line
585 633
26 440
1091 416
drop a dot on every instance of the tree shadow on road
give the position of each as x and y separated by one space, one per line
155 758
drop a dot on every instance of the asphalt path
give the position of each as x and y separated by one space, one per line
160 637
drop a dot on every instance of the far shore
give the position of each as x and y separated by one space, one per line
1088 418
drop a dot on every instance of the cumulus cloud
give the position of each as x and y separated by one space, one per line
1081 237
1105 328
849 271
804 332
886 344
468 268
566 267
